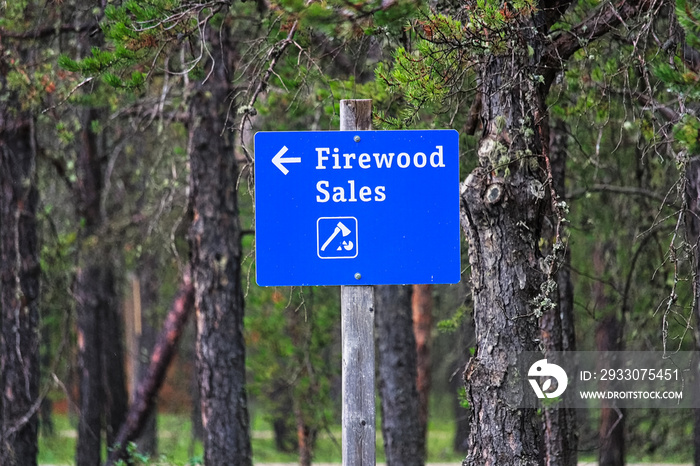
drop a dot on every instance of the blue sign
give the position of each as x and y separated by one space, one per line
357 207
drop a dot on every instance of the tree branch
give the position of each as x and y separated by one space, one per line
627 190
596 25
274 55
473 119
338 54
667 112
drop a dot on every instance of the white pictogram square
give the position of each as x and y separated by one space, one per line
336 237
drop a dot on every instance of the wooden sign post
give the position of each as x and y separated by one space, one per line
357 334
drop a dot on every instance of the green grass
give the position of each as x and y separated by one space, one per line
175 445
57 448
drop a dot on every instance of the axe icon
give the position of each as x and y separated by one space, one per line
340 228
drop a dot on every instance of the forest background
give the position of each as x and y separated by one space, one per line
127 204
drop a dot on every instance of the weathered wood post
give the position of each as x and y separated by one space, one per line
357 334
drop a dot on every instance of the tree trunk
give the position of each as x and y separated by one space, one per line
283 421
306 439
100 351
88 282
560 437
215 239
502 210
147 441
692 225
197 432
46 424
422 327
300 394
116 401
608 338
100 358
404 443
150 322
502 202
140 329
611 433
19 291
558 154
103 393
92 293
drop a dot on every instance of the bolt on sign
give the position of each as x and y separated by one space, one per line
357 207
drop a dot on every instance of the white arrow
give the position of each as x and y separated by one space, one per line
278 160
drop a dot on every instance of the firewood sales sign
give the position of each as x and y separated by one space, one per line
357 207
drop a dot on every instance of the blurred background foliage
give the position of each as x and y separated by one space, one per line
624 188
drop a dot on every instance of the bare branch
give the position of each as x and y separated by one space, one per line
72 91
667 112
273 55
627 190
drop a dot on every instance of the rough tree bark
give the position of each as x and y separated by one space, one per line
19 290
404 443
215 240
502 215
501 218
